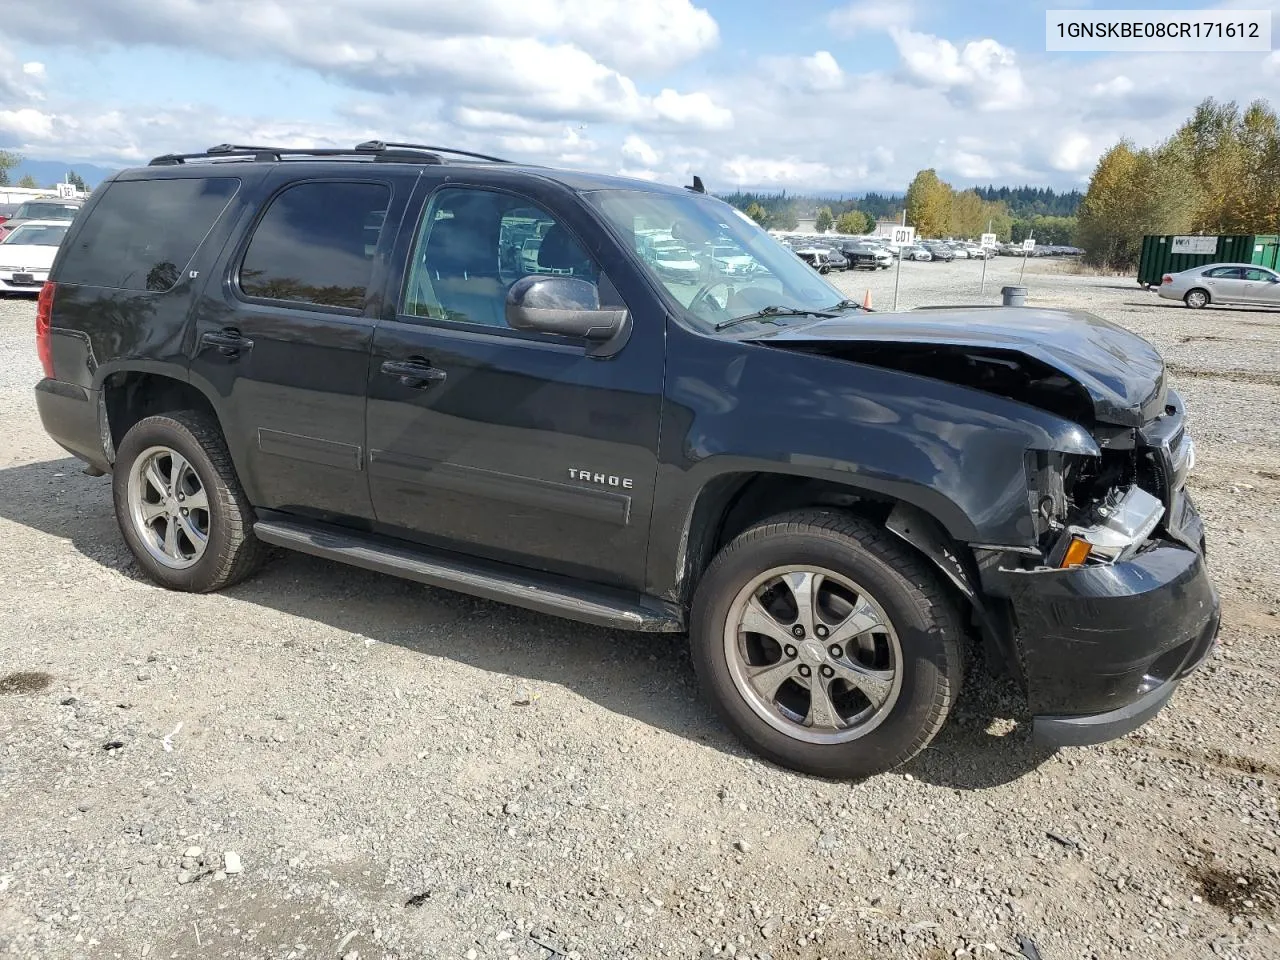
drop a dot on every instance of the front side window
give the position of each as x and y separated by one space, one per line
316 244
474 244
37 235
142 233
718 263
1256 273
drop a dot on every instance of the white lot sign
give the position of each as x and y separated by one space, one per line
67 191
988 240
1195 244
903 235
1028 244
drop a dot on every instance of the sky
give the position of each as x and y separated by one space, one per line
803 95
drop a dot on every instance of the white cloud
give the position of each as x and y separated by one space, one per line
819 73
27 124
552 59
970 165
635 149
1117 86
984 71
691 109
1074 153
33 69
869 15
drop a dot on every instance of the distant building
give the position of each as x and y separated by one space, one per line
806 225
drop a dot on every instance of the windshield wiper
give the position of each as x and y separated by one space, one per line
771 311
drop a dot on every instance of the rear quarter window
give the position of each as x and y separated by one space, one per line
142 233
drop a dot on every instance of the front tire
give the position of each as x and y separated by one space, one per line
180 506
1196 299
826 645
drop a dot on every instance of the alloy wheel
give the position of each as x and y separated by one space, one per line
169 507
813 654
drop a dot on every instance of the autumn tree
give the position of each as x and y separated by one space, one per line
758 213
929 204
8 161
854 221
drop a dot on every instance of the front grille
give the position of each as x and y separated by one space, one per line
1165 453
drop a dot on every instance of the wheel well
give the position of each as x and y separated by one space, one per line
131 396
732 503
1207 295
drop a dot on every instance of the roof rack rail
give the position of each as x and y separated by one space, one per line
377 150
375 146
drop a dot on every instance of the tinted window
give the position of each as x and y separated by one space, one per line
474 244
143 233
1224 273
315 244
1255 273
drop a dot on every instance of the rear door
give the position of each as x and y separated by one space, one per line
505 444
1225 284
283 338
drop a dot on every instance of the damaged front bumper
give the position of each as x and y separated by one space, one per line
1102 647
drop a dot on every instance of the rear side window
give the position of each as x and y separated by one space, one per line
143 233
315 244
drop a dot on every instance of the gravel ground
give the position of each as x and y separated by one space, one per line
327 763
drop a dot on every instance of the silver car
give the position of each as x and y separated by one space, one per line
1223 283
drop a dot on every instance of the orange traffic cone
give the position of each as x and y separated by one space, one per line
866 301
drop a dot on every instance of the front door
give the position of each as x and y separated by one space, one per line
1261 286
515 446
284 340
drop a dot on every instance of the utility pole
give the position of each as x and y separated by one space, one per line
983 288
897 280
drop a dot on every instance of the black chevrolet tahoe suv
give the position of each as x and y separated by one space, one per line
466 372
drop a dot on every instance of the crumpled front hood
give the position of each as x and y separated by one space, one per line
1122 373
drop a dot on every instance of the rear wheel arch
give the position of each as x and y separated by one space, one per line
129 396
1187 297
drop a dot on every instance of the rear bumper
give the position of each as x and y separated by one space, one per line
1102 648
69 414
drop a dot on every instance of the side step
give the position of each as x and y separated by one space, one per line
545 593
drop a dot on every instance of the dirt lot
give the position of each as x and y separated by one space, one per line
405 772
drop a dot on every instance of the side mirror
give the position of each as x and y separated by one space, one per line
566 306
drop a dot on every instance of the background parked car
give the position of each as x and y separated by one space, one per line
26 254
916 252
939 250
1222 283
51 209
866 256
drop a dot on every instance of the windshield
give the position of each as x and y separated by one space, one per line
703 229
36 235
34 210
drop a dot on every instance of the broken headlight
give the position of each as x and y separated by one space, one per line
1119 524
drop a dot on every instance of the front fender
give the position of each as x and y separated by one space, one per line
734 408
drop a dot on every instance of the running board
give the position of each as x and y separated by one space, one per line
545 593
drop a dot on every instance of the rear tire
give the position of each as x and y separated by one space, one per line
1196 299
883 630
180 505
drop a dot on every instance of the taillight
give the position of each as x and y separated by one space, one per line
1168 278
44 322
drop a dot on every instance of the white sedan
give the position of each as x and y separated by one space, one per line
1239 283
27 253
